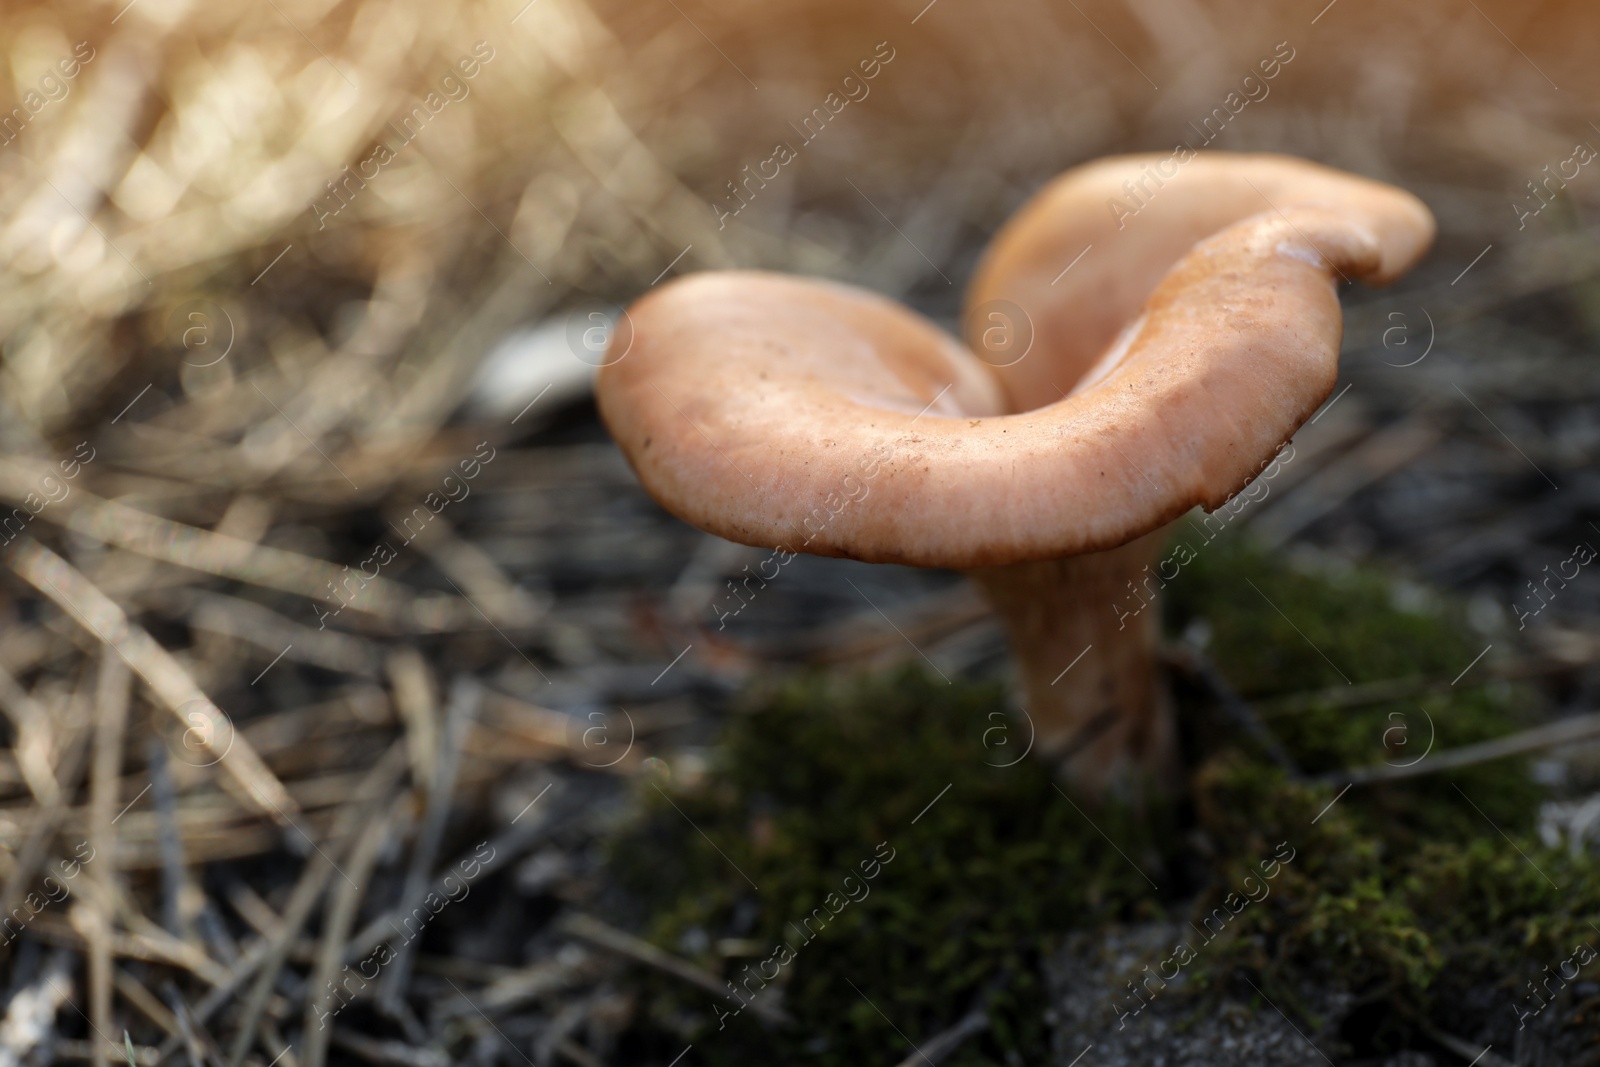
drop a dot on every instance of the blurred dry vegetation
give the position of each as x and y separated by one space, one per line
243 460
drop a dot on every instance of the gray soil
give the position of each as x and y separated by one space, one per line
1097 1020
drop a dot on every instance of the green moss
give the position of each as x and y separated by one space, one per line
824 775
1430 928
1334 912
1277 630
1403 892
1283 629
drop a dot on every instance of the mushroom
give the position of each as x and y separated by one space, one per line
809 416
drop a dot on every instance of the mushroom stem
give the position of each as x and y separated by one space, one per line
1084 632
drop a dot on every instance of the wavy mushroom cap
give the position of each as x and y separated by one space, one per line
1137 216
783 412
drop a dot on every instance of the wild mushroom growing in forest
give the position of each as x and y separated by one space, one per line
1165 368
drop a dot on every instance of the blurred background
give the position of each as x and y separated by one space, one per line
274 277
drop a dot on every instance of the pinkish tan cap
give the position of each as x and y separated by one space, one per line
1131 218
787 412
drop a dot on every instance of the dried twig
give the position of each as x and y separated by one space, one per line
221 555
274 633
415 699
164 799
465 697
482 580
389 1053
72 744
603 935
1365 693
32 748
1477 1057
111 707
152 945
572 966
135 993
940 1045
1384 452
335 935
75 595
1564 732
314 878
1193 660
505 848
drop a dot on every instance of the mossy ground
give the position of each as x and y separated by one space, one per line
1403 893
